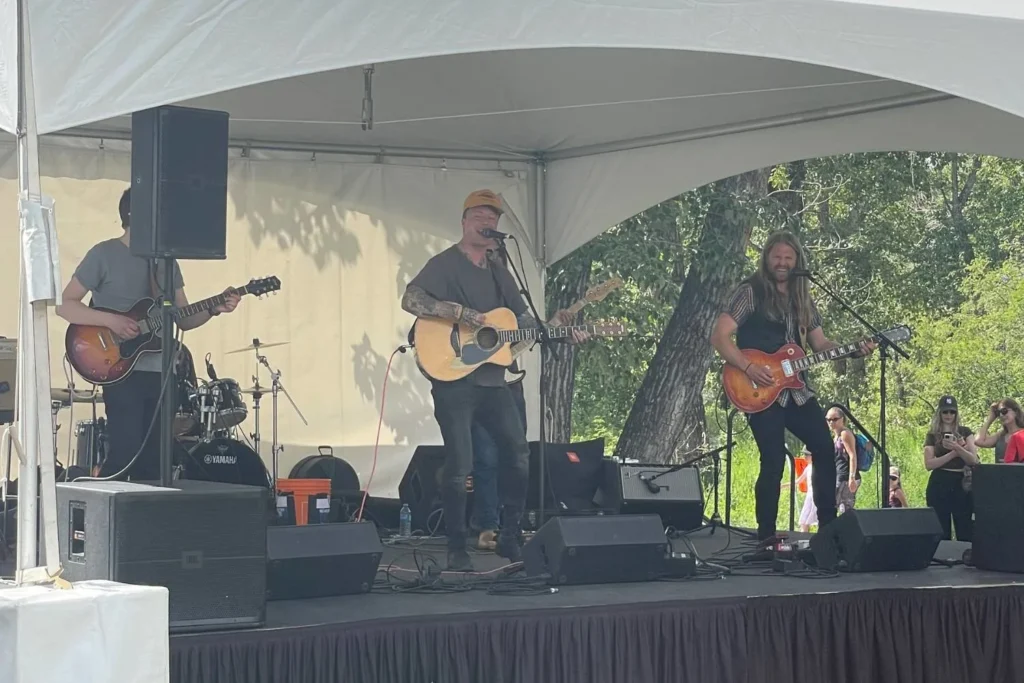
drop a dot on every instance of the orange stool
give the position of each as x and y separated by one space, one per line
301 490
801 465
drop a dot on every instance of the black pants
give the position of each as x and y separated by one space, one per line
130 406
945 493
456 406
807 423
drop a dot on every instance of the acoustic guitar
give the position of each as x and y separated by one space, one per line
103 358
594 294
786 364
447 351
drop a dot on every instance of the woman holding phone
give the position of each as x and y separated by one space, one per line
949 452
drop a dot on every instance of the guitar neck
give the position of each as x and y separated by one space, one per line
532 334
829 354
205 304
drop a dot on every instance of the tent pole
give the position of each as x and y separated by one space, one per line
540 207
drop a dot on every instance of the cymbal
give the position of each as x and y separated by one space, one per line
81 396
252 347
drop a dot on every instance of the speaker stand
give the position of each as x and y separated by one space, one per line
168 386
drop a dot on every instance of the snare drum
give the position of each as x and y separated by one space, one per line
231 409
186 416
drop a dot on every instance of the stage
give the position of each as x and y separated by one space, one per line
954 624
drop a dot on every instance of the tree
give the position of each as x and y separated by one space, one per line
667 417
566 286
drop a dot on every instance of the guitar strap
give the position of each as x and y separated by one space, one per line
491 266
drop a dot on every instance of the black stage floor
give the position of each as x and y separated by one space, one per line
941 624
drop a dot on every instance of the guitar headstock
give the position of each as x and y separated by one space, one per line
263 285
900 333
599 292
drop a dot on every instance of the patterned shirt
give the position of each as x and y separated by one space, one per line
740 307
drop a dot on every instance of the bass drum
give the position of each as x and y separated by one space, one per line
226 461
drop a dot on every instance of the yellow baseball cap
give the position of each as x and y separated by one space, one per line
482 198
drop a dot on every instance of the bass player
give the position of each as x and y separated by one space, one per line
117 280
768 310
457 285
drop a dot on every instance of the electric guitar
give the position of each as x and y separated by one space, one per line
594 294
103 358
447 351
786 364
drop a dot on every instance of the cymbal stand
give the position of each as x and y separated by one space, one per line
276 387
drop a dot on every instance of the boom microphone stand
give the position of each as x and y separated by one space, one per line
542 338
885 345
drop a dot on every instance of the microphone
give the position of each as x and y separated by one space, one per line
209 369
493 234
651 485
800 273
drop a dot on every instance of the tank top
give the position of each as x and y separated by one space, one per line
842 459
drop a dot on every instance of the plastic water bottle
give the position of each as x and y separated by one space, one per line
405 521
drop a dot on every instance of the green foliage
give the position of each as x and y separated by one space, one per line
934 240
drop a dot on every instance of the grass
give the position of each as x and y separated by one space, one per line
905 449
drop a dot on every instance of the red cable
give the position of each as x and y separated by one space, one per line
376 445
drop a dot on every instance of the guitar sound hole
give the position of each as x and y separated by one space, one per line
487 338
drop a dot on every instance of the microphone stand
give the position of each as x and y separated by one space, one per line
885 346
542 338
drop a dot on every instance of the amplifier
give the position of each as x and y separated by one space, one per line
998 540
319 560
675 496
206 542
598 549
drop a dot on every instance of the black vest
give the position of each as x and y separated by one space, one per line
760 332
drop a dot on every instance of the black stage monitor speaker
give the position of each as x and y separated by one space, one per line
205 542
878 540
179 183
677 497
998 543
321 560
576 473
598 549
421 489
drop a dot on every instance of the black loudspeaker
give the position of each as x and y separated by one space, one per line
320 560
878 540
205 542
998 542
677 497
575 476
179 183
598 549
421 489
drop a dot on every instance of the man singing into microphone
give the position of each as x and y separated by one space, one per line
768 310
459 284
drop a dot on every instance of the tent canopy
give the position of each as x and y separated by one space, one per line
617 99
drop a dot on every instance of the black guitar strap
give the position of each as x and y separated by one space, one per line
492 265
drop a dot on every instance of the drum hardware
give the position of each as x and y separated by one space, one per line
222 460
276 387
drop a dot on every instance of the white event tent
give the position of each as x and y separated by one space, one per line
583 112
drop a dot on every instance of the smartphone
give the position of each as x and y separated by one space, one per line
947 437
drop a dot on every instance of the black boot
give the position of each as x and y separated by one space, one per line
458 560
510 538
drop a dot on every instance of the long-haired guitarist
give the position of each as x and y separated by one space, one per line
117 280
457 285
767 311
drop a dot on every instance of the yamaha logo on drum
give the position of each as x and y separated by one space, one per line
220 459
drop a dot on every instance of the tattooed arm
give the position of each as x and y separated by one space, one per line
419 303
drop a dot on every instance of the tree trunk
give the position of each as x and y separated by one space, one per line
667 417
559 360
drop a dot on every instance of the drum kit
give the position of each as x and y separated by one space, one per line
209 443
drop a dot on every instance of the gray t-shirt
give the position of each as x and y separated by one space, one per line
117 280
451 276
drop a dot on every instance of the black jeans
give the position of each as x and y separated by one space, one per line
130 406
807 423
945 493
456 406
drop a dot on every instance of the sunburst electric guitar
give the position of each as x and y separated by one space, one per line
101 357
447 351
786 364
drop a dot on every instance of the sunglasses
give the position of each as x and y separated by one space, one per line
833 419
893 478
949 412
1004 411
